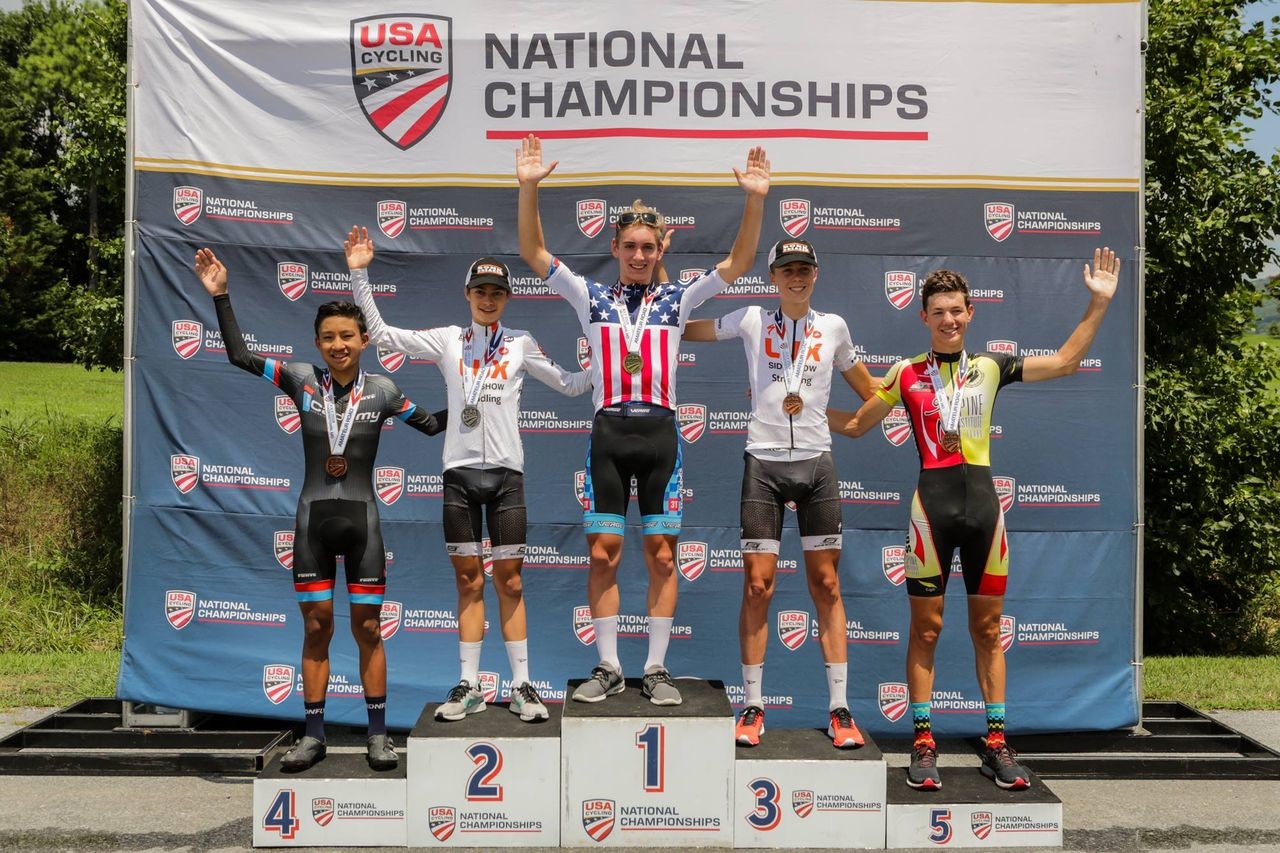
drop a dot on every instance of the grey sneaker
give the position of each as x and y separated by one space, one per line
1001 766
305 753
604 681
382 753
658 687
525 702
923 772
463 699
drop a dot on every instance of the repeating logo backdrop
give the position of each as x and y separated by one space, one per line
884 177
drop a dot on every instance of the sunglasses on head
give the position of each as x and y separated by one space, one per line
631 217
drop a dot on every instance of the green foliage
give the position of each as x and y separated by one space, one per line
1236 683
1213 466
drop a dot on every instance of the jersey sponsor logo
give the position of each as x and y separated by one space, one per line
580 489
277 682
287 417
186 336
893 700
292 277
1005 487
802 802
998 218
179 607
583 627
392 216
793 628
1008 627
322 810
489 686
1002 346
441 820
794 215
388 482
401 70
893 559
691 559
591 215
899 288
584 353
185 471
390 359
597 818
389 618
980 824
692 420
282 544
896 426
187 204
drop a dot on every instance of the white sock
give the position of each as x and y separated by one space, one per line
469 658
518 657
607 640
836 676
659 636
753 684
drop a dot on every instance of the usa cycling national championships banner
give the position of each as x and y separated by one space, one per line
999 139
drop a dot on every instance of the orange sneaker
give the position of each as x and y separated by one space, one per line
750 726
842 730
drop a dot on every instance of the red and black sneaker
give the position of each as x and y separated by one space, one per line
750 726
842 730
923 772
1000 765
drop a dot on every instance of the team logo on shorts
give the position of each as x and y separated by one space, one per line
392 216
389 618
591 216
388 482
597 818
489 686
794 214
692 420
187 204
793 628
687 276
442 820
893 559
287 417
802 803
401 66
292 278
486 556
893 700
390 359
899 288
1006 347
896 426
980 823
1008 625
998 217
691 559
1004 491
580 489
277 682
583 627
322 810
179 607
185 471
186 337
283 546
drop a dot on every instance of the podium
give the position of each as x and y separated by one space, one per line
340 802
487 780
636 774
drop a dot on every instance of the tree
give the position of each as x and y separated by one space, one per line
1212 463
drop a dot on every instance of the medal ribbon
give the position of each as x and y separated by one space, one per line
948 407
792 371
340 433
632 333
472 394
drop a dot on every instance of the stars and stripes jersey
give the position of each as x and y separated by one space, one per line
495 440
907 382
825 343
659 346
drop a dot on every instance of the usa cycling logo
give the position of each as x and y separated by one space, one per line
442 820
184 471
584 353
186 336
187 204
282 545
322 810
691 560
583 628
401 68
980 823
998 217
489 686
179 607
896 426
580 489
277 682
793 628
899 288
390 360
893 700
591 215
893 559
388 482
794 215
292 278
1008 627
389 619
691 418
598 818
1002 346
802 802
1005 487
287 417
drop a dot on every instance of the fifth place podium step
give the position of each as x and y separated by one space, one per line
626 773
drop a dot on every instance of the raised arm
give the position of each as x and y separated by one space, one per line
754 180
1101 281
358 247
529 173
213 275
699 330
852 424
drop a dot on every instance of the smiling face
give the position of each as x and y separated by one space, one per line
638 249
341 342
487 303
795 282
947 315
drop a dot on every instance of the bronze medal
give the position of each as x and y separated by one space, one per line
792 404
951 441
336 466
632 363
470 416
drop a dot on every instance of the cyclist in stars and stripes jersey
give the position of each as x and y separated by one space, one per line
633 326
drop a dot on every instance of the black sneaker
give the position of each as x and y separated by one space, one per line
923 772
305 753
1001 766
381 753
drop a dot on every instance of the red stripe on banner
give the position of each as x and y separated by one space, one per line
423 124
726 133
391 110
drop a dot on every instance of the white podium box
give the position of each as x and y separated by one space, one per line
340 802
489 780
797 790
971 811
639 775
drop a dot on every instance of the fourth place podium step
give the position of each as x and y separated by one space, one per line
626 773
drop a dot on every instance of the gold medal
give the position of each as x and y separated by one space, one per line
632 363
951 441
792 404
336 466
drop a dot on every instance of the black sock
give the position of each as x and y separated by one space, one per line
377 707
315 719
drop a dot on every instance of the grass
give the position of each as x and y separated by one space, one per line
61 390
1236 683
55 679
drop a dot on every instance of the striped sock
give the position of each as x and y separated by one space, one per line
921 723
995 724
